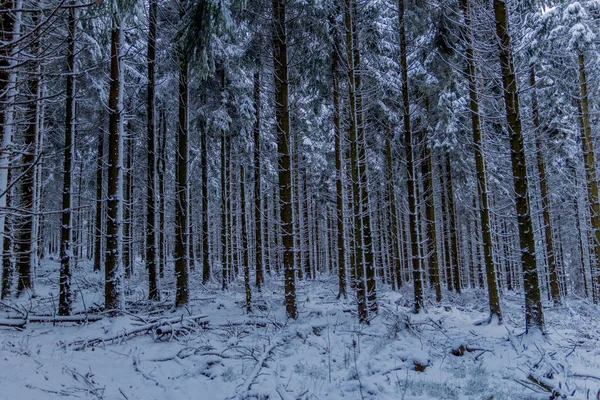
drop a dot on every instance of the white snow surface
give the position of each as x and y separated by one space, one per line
325 354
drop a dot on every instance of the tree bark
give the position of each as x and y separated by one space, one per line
358 249
151 253
410 171
258 249
484 214
113 268
282 118
66 234
534 315
181 189
550 256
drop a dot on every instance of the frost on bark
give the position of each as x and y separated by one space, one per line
180 252
357 248
258 249
534 315
550 255
151 245
113 267
482 191
29 185
410 169
282 120
593 201
66 234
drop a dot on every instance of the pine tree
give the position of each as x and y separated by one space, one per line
534 315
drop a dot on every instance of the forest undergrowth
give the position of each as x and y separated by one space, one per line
213 349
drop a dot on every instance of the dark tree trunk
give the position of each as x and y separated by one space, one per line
151 253
484 215
114 207
282 118
258 258
534 315
410 170
180 253
66 234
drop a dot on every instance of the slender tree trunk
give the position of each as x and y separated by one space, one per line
550 256
161 167
245 249
7 250
98 229
431 243
534 315
339 184
25 233
593 201
410 171
484 214
127 199
66 234
224 237
258 249
282 118
359 267
454 258
113 297
181 189
396 270
151 253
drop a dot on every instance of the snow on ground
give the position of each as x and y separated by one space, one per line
325 354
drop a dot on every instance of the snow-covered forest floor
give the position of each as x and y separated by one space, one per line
325 354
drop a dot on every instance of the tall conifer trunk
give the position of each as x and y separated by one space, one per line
550 256
258 248
282 118
180 253
593 201
26 234
534 315
410 170
66 234
151 253
113 267
484 214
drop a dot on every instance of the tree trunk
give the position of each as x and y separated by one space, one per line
181 189
113 297
151 253
161 167
127 206
245 250
339 183
550 256
7 250
98 230
282 118
206 267
484 215
224 237
359 268
396 270
66 234
534 315
431 242
454 251
258 257
410 170
593 202
25 233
